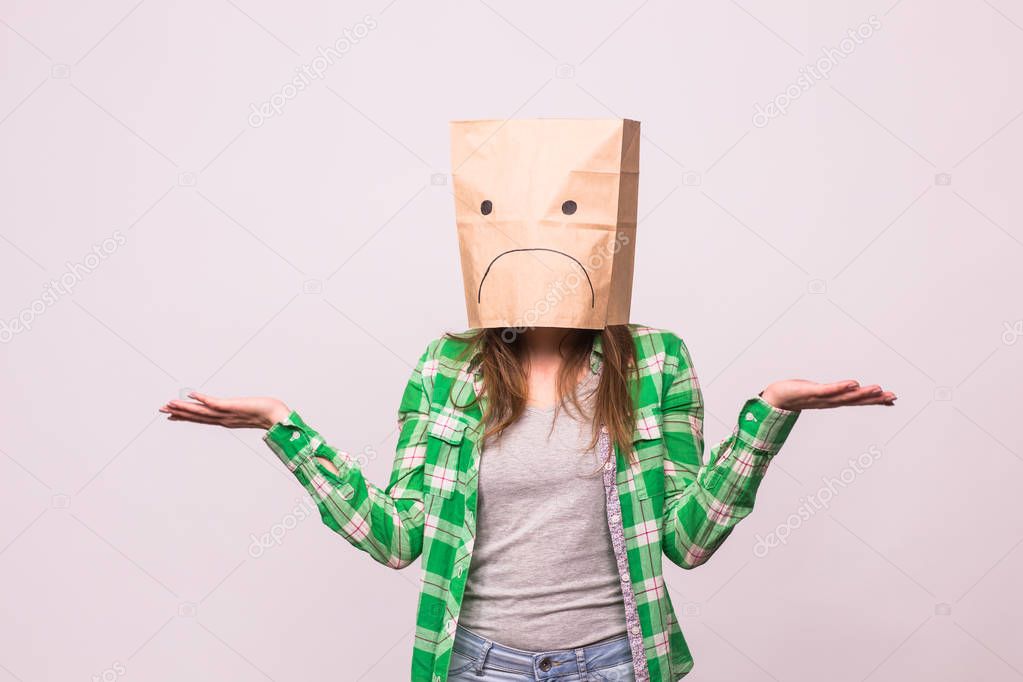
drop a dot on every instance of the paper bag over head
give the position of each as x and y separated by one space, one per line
546 214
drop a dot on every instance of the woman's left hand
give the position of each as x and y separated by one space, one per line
799 394
231 413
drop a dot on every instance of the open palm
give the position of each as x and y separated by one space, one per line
232 413
264 412
800 394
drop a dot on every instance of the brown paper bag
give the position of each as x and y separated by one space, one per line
546 214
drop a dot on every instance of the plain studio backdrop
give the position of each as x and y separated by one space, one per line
249 197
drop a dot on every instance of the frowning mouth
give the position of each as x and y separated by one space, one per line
479 293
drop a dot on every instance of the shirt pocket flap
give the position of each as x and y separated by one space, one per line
648 450
447 427
445 436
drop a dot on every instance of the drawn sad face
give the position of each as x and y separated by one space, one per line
546 216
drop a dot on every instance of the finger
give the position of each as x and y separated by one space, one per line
854 395
198 419
208 400
873 399
885 397
836 388
194 414
191 419
194 408
868 395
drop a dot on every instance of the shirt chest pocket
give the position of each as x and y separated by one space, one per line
445 437
648 450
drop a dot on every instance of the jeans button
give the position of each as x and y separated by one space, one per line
545 664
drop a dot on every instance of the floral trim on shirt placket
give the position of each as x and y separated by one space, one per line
614 523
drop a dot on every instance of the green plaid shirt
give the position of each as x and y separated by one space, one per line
671 502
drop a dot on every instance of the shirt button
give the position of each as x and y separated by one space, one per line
636 630
450 625
615 518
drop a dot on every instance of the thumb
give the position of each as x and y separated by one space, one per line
209 401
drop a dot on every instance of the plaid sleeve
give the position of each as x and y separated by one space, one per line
705 500
385 523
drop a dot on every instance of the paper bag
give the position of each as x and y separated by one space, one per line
546 215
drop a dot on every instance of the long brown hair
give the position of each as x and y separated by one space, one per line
504 378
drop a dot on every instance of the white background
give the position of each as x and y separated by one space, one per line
871 232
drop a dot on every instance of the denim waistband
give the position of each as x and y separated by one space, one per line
542 665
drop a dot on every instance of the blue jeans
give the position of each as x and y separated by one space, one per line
478 659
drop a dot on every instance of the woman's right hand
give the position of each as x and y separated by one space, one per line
231 413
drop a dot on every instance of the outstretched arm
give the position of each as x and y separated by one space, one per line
704 501
385 523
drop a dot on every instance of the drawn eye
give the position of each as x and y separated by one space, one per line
568 208
486 207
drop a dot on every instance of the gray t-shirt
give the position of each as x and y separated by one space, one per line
543 574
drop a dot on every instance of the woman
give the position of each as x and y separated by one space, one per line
541 476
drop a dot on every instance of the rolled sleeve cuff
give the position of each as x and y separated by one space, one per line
765 427
290 440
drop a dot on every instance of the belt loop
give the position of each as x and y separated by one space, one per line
482 658
580 661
